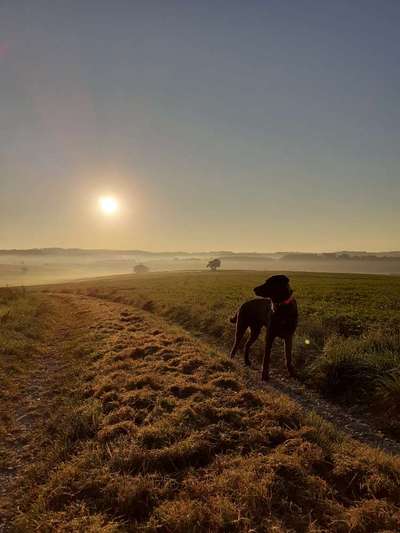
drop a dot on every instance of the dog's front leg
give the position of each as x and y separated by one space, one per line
288 355
269 340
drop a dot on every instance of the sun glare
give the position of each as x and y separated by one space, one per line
108 205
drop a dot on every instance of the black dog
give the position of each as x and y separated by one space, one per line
284 319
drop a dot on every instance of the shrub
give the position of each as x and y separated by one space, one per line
357 370
346 377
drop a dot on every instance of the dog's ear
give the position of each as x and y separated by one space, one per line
260 290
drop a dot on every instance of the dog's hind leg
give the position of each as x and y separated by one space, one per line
254 333
240 331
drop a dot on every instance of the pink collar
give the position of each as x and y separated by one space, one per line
288 301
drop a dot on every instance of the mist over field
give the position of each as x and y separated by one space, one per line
27 267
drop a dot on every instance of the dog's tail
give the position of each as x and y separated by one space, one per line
233 319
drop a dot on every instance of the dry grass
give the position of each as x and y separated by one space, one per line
165 435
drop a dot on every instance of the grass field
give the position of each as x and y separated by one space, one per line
120 418
156 431
348 341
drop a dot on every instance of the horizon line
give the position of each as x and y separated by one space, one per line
177 252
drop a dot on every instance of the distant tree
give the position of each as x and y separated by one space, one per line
214 264
140 269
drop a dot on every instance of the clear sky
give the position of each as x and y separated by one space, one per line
256 125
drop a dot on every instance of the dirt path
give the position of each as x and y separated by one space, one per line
49 383
42 391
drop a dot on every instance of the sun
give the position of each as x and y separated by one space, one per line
108 205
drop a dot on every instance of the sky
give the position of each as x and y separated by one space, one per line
259 125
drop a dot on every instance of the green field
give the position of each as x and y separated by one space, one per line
347 345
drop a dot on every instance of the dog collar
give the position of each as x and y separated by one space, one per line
288 301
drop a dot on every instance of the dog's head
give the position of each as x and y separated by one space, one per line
276 287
